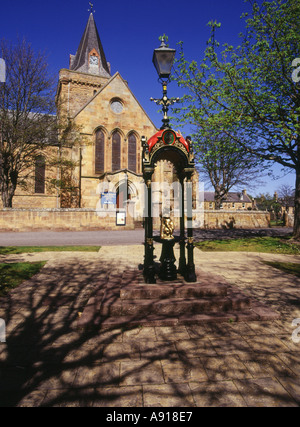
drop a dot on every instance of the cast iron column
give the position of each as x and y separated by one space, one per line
182 259
149 268
190 275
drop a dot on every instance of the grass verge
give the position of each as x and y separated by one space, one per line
12 275
253 244
13 250
286 267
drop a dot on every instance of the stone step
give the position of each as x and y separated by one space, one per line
127 301
173 306
177 290
256 313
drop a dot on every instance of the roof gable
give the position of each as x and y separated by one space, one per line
209 196
115 80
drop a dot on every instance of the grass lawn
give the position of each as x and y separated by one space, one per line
286 267
7 250
256 244
12 275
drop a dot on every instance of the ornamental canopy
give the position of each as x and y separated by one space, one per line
169 145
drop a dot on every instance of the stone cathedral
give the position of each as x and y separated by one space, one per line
109 123
110 119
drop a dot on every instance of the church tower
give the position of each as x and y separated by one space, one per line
111 122
88 72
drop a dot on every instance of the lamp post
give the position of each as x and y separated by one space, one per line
2 71
163 59
167 144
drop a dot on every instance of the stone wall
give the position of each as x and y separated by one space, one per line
58 220
90 219
288 219
236 219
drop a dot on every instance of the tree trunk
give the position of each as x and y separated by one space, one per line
296 234
218 198
8 189
7 198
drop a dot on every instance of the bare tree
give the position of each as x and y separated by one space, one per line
225 165
27 120
286 193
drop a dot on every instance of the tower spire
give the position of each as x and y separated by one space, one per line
90 57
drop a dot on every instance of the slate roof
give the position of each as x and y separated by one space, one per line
209 196
288 202
90 40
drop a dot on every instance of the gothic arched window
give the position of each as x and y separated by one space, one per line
40 172
116 152
132 153
99 151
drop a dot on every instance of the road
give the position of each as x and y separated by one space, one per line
87 238
125 237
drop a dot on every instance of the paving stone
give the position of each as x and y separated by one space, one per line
141 372
264 392
180 371
55 378
118 397
267 365
157 350
266 344
263 328
121 351
292 386
198 331
289 343
195 348
141 334
170 333
168 395
292 361
224 346
69 398
229 329
254 366
98 375
217 394
22 399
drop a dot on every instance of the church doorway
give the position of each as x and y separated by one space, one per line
124 194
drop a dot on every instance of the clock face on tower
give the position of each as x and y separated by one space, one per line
94 60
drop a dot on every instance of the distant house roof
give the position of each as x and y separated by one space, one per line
209 196
288 201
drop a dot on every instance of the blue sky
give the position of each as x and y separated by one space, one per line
129 32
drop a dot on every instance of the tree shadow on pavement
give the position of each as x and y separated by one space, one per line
48 361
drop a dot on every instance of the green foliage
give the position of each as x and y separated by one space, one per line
10 250
247 92
257 244
164 38
12 275
286 267
266 202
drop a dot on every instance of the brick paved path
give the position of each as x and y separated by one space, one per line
47 361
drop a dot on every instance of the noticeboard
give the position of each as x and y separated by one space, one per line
108 198
121 218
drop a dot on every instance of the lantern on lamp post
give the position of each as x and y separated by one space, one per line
163 59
